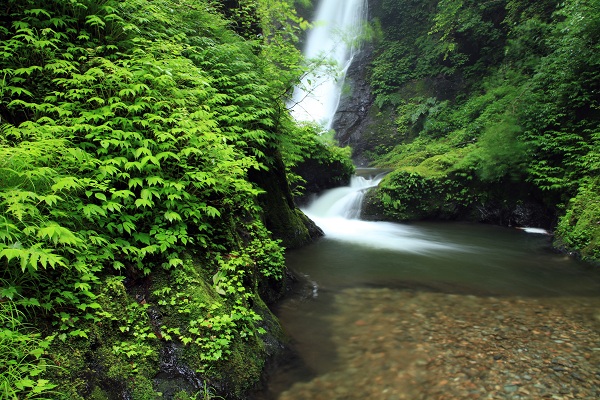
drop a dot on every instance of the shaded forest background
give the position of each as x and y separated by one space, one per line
486 111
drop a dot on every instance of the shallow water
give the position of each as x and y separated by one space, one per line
453 258
467 258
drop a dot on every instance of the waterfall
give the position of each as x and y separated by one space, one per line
337 212
344 202
330 47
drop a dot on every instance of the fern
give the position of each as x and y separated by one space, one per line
129 140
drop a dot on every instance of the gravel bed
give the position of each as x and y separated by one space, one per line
419 345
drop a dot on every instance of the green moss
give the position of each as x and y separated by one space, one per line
219 327
579 228
116 352
281 216
98 394
415 193
142 389
121 352
383 135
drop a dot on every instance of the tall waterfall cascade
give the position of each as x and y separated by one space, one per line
330 46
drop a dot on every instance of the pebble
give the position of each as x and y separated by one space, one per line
406 345
511 388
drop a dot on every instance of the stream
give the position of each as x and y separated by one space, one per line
367 282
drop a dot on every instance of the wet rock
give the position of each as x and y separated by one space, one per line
353 116
511 388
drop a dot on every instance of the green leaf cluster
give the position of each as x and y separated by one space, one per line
448 39
311 151
127 133
24 357
500 94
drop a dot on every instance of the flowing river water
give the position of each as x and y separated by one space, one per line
406 311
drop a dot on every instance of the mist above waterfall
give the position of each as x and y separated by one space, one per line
330 46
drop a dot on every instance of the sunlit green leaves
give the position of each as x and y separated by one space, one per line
128 130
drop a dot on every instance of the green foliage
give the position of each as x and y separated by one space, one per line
207 393
562 112
491 94
268 256
127 132
579 228
501 154
281 29
457 18
24 356
416 193
309 145
117 347
451 40
402 194
210 320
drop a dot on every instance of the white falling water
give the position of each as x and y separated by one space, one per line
343 202
337 26
330 46
337 213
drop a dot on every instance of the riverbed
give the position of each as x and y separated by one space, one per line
455 311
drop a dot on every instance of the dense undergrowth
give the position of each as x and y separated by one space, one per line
495 112
133 244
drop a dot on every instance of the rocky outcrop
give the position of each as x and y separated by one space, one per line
320 175
281 216
413 197
353 115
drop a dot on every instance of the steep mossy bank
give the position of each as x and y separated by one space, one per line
145 205
169 337
485 111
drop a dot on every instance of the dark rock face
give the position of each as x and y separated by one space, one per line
353 114
361 124
320 176
525 213
281 216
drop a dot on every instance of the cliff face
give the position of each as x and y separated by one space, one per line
354 116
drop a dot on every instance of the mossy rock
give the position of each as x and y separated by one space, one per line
91 367
281 216
406 195
578 230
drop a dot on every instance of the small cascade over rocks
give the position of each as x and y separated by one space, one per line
337 213
331 46
344 202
